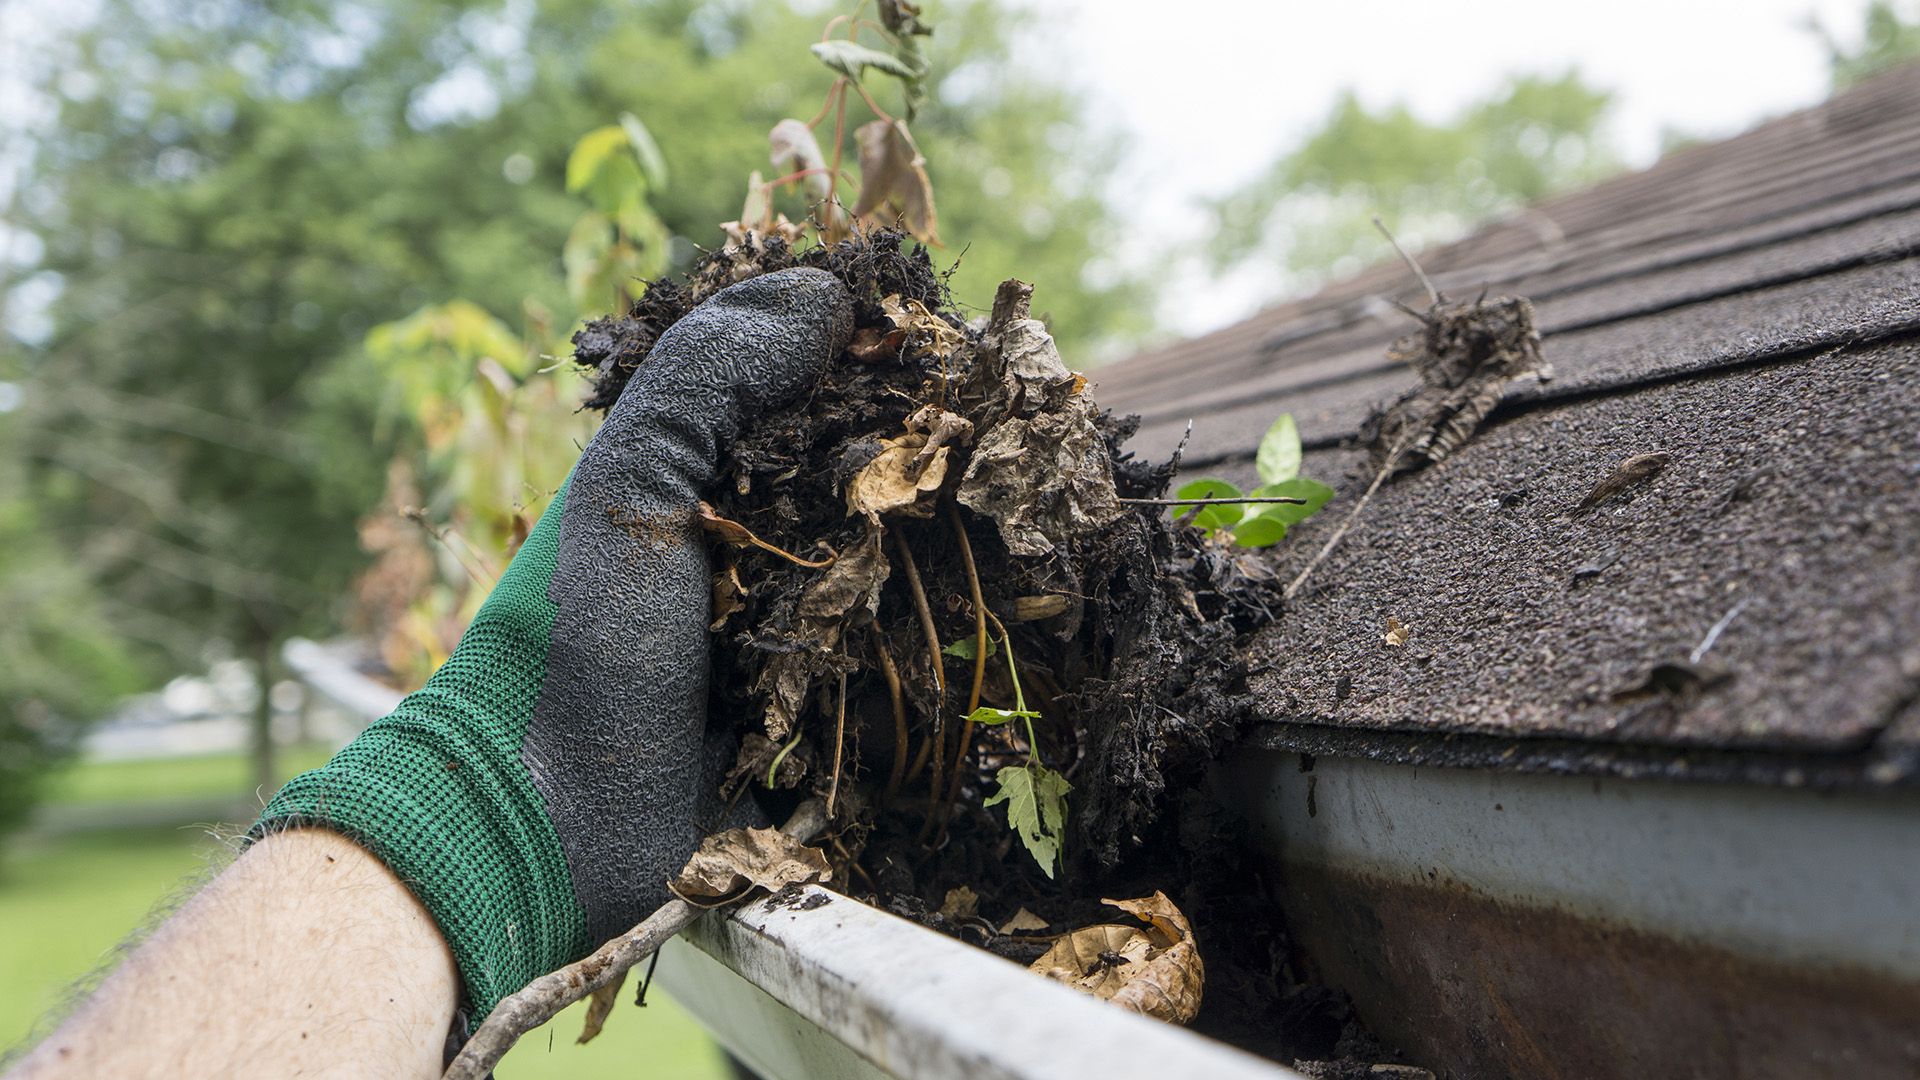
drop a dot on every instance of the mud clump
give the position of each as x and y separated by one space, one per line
947 481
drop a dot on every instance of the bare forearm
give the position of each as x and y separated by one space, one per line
306 957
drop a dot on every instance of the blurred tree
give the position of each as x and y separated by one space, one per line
1311 212
228 195
1889 37
61 655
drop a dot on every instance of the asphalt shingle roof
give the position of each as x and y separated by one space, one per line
1750 307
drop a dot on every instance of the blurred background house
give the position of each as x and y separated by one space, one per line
284 289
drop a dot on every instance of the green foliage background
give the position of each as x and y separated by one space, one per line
228 196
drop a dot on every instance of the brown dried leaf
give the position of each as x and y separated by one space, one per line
1044 480
1022 921
930 330
599 1007
792 148
848 592
731 864
1155 971
960 903
870 345
908 471
888 484
893 174
1033 608
727 593
1043 473
1397 633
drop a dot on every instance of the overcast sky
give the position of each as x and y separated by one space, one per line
1203 93
1209 91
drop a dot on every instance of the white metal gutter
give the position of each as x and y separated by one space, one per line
822 987
803 992
1495 923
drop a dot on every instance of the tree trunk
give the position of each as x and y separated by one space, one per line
266 777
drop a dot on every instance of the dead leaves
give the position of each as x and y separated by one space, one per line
848 591
731 864
893 176
930 331
1465 355
1154 970
907 474
1043 474
793 150
1397 633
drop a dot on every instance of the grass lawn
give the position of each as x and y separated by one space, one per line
199 777
67 899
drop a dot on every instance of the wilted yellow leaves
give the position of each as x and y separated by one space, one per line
904 477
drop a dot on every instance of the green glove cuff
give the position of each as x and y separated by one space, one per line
438 790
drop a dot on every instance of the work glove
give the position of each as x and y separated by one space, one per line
537 793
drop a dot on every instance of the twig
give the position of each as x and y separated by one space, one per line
892 673
839 742
1433 294
1386 470
1713 635
543 998
1216 502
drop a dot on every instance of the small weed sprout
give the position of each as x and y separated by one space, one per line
1258 525
1035 796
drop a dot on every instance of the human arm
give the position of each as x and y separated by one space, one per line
537 793
305 957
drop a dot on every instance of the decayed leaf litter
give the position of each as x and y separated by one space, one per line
1124 625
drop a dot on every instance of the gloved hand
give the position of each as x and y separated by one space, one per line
542 787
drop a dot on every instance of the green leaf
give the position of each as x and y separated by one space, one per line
1259 531
591 154
1316 493
965 648
1036 799
1210 518
852 59
990 717
652 165
1279 456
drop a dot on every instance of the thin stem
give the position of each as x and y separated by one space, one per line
839 149
871 104
826 106
1020 700
924 609
1216 502
732 531
774 769
1386 470
979 650
892 673
1433 294
839 743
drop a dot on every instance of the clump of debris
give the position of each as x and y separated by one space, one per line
929 571
935 607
